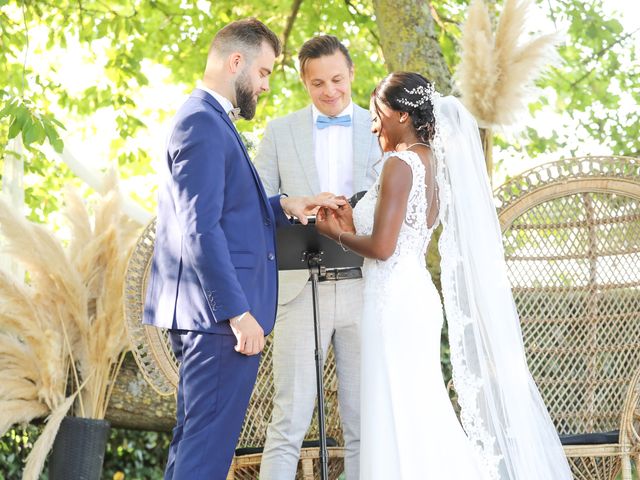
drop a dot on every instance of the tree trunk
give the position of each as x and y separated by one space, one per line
13 191
409 43
134 404
409 40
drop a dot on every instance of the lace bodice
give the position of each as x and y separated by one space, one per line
414 234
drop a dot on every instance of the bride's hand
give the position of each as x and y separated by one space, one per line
344 217
327 224
331 223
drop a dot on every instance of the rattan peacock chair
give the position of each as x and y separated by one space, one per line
152 351
571 231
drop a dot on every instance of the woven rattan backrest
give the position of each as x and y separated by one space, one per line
150 346
259 413
152 351
571 232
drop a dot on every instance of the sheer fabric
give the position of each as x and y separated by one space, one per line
501 409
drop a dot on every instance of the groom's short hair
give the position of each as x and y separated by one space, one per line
321 46
245 36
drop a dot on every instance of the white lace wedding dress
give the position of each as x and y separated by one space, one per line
409 428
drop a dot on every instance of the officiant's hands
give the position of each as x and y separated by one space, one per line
331 223
301 207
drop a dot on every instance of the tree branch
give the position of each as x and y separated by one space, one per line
359 14
601 53
553 15
94 11
26 49
435 16
295 8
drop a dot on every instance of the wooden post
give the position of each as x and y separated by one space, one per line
13 192
486 136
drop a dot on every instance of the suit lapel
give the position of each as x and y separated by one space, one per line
361 146
302 133
211 101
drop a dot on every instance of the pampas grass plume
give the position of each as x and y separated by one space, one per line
496 73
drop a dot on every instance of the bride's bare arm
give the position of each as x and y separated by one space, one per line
395 185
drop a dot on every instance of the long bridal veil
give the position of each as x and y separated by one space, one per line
501 409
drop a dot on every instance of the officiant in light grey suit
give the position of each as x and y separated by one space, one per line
325 147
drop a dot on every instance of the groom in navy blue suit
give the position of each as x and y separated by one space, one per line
214 279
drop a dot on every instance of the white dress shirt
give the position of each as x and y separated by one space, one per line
223 101
333 149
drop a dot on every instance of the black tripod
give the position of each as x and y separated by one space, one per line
316 270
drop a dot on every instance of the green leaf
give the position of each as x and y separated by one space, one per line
14 129
29 135
57 144
7 110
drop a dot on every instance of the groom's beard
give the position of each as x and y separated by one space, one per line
245 98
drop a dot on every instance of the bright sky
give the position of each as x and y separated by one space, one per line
629 11
91 141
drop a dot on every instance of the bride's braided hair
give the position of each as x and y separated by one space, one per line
412 93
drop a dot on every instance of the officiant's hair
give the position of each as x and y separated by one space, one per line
320 46
409 92
245 36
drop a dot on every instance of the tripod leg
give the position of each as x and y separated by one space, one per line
324 461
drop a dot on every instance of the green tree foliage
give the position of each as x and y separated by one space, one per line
597 82
136 455
125 38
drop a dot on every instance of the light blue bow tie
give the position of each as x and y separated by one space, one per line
324 122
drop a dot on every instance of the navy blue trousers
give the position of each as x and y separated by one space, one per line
213 394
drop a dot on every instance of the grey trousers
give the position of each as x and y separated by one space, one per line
295 377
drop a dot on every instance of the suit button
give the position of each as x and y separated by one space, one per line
271 256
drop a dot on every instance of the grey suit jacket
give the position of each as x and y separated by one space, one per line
286 163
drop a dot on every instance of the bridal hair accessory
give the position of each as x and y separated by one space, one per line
425 95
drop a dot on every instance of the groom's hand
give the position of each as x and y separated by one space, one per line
300 207
249 334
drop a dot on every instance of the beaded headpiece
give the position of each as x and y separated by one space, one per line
425 95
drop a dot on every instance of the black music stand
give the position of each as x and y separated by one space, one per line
301 247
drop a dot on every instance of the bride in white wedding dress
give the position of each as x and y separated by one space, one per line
434 172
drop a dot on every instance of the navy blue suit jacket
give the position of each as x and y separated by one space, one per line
214 255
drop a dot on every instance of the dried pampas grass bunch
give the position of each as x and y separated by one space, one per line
64 327
496 73
99 254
